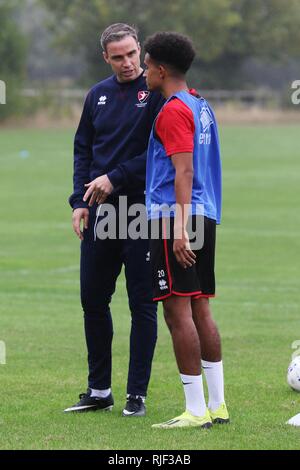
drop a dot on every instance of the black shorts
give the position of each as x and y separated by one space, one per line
168 277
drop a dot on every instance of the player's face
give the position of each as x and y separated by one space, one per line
124 58
153 74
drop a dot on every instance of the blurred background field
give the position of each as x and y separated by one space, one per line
248 58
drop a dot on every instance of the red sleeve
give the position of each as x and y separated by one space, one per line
175 128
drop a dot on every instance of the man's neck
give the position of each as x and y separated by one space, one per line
174 87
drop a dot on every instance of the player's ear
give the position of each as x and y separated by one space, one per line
162 71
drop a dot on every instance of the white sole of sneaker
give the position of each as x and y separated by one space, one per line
81 409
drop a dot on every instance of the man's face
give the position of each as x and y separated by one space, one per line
124 58
153 74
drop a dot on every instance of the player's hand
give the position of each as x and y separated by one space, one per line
182 250
98 190
78 215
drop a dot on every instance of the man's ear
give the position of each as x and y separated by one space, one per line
105 57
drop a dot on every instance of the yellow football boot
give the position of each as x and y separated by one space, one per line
186 420
220 415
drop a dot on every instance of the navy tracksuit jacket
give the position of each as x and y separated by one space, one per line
112 139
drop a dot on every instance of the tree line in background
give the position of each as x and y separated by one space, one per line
226 33
12 56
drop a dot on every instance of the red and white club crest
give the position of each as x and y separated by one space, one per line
142 96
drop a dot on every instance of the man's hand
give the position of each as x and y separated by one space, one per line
98 190
79 214
181 248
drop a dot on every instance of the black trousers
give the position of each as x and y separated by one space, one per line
100 266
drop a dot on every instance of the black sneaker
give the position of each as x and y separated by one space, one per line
88 403
135 406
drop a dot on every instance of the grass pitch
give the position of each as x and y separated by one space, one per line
257 307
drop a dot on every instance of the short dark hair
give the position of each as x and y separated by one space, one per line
117 32
173 49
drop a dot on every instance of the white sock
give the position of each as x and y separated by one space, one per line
100 393
213 372
194 394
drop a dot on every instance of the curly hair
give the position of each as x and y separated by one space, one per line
172 49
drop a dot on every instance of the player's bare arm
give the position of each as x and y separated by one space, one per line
183 163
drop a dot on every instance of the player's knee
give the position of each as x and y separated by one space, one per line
168 321
173 318
201 308
168 311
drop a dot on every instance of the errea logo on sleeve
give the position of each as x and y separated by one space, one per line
102 100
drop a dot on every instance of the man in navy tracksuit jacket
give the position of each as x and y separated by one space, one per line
110 161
